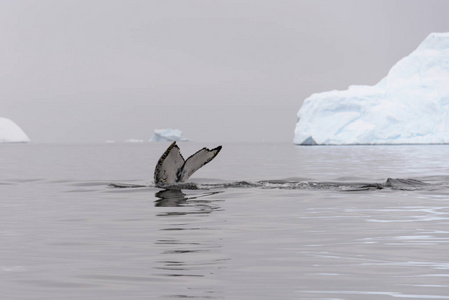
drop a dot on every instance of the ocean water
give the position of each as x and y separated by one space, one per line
261 221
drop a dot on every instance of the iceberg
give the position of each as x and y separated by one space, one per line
10 132
135 141
409 106
168 135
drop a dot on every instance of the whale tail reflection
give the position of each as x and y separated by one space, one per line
170 198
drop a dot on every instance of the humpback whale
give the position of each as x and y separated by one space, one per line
173 168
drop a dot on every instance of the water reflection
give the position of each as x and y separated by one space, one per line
189 243
176 198
170 198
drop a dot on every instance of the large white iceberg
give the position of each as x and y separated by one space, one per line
168 135
11 133
409 106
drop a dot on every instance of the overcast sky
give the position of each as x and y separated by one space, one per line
219 70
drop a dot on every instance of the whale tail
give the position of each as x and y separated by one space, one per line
173 168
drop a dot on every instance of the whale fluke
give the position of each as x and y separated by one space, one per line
173 168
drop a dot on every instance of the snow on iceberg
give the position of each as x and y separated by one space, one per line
167 135
10 132
409 106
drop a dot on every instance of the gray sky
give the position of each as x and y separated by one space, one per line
219 70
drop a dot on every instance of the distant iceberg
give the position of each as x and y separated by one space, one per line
10 132
134 141
409 106
168 135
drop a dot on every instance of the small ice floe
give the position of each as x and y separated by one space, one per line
133 141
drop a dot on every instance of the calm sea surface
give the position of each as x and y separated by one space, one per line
267 221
